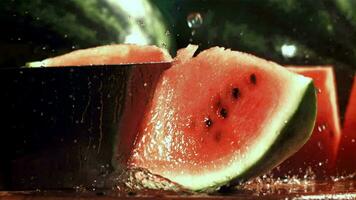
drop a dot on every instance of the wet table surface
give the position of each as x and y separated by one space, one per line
338 188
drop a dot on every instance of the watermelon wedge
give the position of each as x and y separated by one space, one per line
107 55
320 152
223 117
346 159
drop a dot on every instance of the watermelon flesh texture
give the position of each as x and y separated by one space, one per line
346 158
320 152
107 55
223 117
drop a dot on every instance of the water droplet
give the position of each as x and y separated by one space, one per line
320 145
330 27
319 90
73 47
141 22
320 163
75 141
19 39
194 20
353 140
145 85
321 128
167 32
164 45
65 35
288 50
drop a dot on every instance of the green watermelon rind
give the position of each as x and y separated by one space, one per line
294 135
34 64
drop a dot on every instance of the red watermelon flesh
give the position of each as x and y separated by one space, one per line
347 156
320 152
216 118
107 55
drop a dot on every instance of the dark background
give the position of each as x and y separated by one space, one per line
321 32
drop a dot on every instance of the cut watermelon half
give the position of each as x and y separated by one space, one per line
347 157
320 152
223 117
107 55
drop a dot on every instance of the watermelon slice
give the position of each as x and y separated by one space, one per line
320 152
107 55
223 117
346 160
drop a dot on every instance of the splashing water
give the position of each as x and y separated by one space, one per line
194 20
141 182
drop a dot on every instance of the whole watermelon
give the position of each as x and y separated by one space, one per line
34 30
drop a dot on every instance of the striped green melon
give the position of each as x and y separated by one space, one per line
39 29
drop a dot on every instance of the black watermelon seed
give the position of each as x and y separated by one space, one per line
253 79
223 112
235 93
208 122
